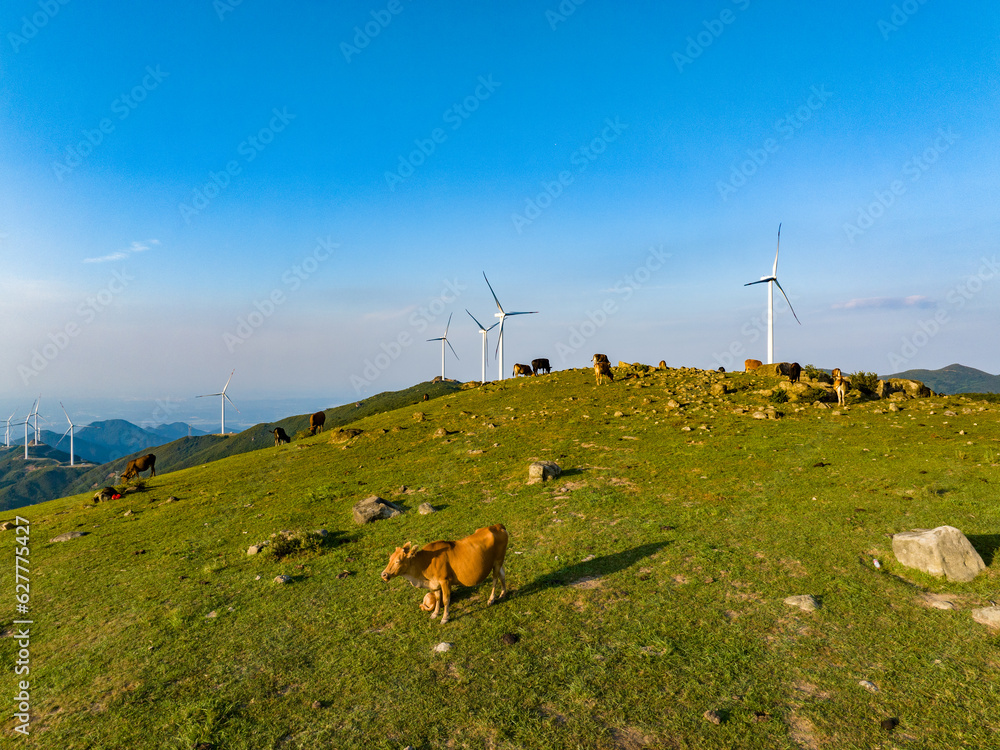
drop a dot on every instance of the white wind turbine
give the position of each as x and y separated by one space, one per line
6 439
35 414
503 315
444 340
68 432
27 421
483 331
771 280
224 399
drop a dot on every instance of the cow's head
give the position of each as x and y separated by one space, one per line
397 561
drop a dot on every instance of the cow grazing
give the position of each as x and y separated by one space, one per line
280 436
316 422
522 370
439 565
426 397
794 372
603 370
140 464
538 365
751 364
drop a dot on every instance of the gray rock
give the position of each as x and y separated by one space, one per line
282 579
374 508
805 602
442 647
542 470
426 508
253 549
67 536
989 616
943 551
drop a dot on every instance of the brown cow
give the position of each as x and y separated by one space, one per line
795 372
537 365
603 370
522 370
140 464
316 422
599 358
751 364
280 436
440 564
841 385
662 365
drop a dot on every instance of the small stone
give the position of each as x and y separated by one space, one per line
211 614
425 509
317 704
253 549
442 647
619 414
989 616
127 513
539 471
282 579
67 536
686 428
805 602
509 639
343 574
869 686
713 716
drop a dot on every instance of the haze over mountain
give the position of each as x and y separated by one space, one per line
954 379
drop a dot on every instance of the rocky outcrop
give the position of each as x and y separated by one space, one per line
908 388
943 551
543 470
374 508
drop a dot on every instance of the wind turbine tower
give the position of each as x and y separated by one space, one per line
6 439
772 280
503 315
224 399
483 331
444 340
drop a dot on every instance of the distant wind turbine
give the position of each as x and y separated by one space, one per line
68 432
6 439
444 340
35 414
483 331
773 280
224 399
503 315
27 421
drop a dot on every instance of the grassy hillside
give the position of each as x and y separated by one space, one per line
646 584
954 379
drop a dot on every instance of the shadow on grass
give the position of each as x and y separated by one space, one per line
986 545
599 566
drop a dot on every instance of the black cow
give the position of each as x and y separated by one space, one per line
280 436
316 422
540 365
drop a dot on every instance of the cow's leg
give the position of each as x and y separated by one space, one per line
152 472
444 596
498 574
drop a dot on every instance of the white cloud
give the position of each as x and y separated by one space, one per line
885 303
134 247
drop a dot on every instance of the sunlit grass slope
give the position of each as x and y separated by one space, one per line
646 583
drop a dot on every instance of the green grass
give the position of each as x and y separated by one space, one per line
646 583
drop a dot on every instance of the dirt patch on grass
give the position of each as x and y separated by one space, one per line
587 582
802 732
630 738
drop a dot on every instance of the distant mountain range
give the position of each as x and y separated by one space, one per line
954 379
107 446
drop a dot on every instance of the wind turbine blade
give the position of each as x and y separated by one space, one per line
451 347
481 327
492 326
774 272
789 303
61 439
206 395
761 281
231 401
499 340
492 292
227 382
447 327
439 338
532 312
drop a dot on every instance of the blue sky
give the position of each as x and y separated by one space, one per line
333 179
